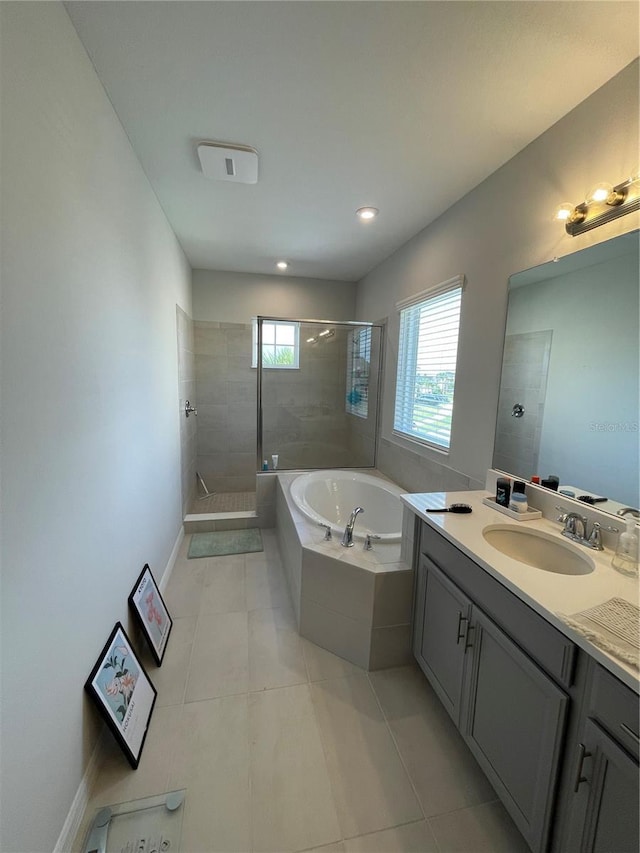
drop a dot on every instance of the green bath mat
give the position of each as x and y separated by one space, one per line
225 542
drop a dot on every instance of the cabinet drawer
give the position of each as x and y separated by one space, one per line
615 707
554 652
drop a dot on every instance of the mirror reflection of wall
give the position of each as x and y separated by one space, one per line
582 315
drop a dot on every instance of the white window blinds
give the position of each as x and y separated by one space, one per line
427 356
358 367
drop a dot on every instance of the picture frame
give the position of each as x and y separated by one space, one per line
123 692
151 613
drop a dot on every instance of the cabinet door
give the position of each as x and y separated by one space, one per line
441 641
513 722
604 815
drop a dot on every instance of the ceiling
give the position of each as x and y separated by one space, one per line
405 106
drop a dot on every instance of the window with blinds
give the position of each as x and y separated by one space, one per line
427 354
358 366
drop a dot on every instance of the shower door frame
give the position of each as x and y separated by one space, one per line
260 319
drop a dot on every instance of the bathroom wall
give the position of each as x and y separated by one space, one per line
90 455
233 297
186 391
223 305
226 399
304 419
504 225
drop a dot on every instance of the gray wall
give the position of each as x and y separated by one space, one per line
223 305
226 400
504 225
186 391
91 274
233 297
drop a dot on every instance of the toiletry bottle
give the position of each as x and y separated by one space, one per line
503 491
265 465
535 480
274 461
627 557
518 502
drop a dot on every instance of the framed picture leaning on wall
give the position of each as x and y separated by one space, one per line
123 693
151 612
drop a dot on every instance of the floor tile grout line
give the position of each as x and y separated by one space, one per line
326 763
395 744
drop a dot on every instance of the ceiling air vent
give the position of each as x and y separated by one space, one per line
224 161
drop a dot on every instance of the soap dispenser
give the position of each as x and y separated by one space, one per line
627 556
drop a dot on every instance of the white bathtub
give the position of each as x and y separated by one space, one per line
329 497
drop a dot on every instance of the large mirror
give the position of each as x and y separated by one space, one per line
569 393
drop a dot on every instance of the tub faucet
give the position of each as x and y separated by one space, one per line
347 536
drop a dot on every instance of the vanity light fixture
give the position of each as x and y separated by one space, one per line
603 204
282 265
311 340
366 214
328 333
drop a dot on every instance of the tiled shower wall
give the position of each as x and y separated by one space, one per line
186 391
226 390
304 419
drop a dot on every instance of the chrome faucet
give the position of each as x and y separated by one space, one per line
576 528
571 529
347 536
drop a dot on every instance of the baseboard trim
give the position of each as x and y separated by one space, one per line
80 802
168 569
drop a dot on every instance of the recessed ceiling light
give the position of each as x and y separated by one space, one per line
367 213
282 265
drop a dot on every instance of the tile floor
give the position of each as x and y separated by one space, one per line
224 502
284 747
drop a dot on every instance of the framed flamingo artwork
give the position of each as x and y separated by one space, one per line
123 693
151 612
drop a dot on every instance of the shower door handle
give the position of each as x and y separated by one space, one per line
189 409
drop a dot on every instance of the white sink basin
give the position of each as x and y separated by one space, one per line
540 550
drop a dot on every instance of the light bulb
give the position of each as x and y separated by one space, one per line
600 193
282 265
564 212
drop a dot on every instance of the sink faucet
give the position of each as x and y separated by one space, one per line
347 536
576 528
571 522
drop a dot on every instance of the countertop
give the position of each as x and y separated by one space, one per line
545 592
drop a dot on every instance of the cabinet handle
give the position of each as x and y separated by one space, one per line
461 619
630 732
467 643
582 754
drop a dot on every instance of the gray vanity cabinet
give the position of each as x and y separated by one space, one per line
513 722
440 635
509 711
603 780
604 817
556 733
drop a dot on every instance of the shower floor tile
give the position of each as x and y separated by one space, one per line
225 502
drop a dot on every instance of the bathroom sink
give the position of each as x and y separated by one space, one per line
540 550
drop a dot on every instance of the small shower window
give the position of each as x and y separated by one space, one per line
280 344
358 367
